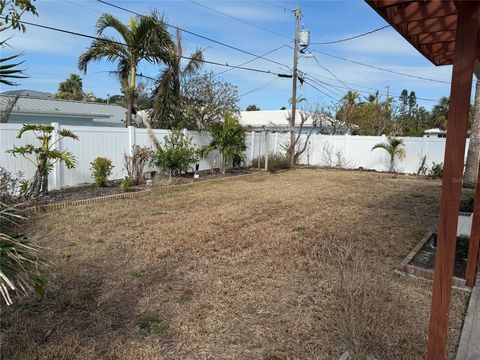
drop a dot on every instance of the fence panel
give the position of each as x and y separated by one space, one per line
112 142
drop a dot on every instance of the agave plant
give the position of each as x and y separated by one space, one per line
394 147
20 266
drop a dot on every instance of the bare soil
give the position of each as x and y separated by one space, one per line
234 269
425 258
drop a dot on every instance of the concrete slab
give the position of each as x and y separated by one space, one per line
464 227
469 346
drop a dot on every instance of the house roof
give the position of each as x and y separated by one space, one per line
268 118
56 107
430 26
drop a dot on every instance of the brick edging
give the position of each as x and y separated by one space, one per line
62 205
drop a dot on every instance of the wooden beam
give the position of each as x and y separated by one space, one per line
417 27
474 242
434 37
462 73
438 49
420 10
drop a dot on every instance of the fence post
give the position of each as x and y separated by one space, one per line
276 142
266 150
57 167
424 146
131 139
347 149
253 146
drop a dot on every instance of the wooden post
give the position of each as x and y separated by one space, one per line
463 64
474 242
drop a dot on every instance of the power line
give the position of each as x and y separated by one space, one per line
195 34
255 58
238 19
123 44
380 68
275 5
272 82
316 88
351 37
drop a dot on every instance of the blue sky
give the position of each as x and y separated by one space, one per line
50 57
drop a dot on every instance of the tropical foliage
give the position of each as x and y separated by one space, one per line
44 155
228 138
71 89
145 38
167 109
177 155
10 13
395 148
20 266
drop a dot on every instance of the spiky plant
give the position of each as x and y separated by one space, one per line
395 148
20 266
44 156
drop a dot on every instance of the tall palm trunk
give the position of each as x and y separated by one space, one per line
131 96
473 156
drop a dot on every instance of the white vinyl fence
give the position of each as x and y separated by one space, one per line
112 142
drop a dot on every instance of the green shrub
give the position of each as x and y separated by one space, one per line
436 171
178 154
102 169
10 186
126 184
275 162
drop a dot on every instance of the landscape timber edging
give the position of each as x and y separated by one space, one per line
62 205
405 268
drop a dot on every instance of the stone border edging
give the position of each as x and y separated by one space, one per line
62 205
425 274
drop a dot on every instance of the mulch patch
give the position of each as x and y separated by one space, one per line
425 258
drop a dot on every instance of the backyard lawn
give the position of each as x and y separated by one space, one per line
241 268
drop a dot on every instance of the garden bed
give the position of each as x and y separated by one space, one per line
91 191
421 260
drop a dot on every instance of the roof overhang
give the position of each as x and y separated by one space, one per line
61 113
430 26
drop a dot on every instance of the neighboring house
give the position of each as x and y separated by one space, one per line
278 120
435 133
30 110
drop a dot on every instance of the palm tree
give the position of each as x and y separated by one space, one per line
145 38
167 109
228 138
351 97
395 148
439 113
71 89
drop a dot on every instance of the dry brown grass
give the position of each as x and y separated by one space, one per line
237 268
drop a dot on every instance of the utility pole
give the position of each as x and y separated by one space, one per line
297 13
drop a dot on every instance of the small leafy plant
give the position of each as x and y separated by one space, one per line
126 184
10 186
178 154
134 274
102 169
436 171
